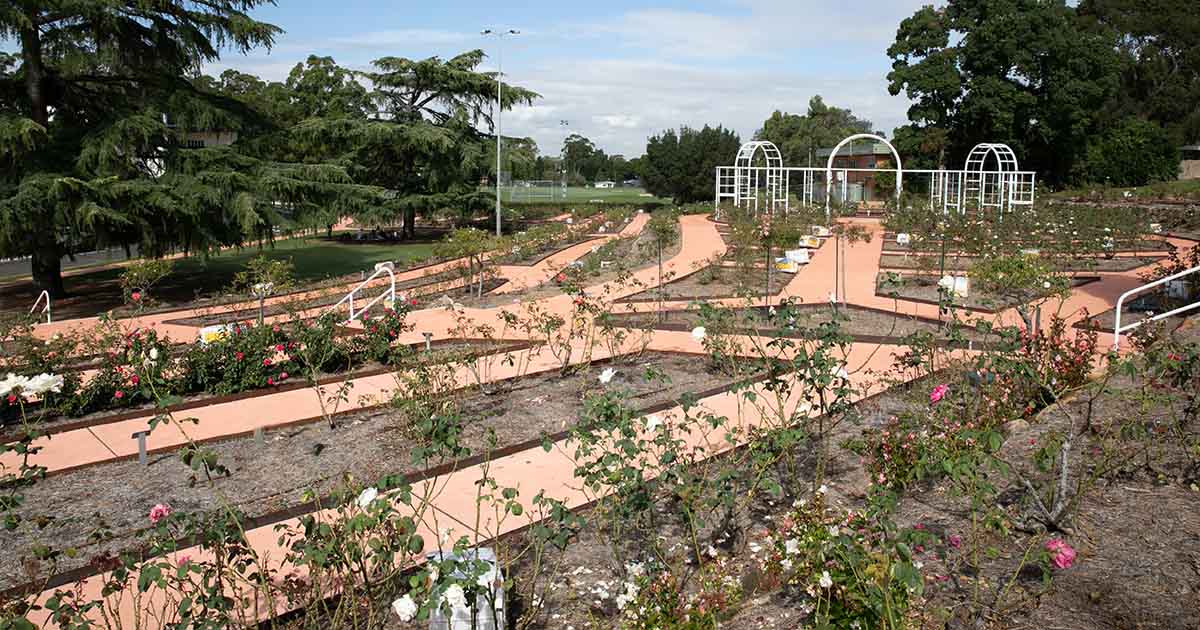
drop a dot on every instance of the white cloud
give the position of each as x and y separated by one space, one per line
620 79
619 103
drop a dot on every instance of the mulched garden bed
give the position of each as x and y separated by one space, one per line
964 263
715 282
866 325
1147 245
1138 541
273 475
51 423
924 288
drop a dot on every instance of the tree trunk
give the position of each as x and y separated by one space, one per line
410 218
46 263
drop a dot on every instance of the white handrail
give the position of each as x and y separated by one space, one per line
1118 329
390 294
46 308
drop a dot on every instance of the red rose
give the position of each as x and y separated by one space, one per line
266 362
270 381
238 356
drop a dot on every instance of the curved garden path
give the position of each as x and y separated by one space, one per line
534 470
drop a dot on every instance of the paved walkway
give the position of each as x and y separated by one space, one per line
535 470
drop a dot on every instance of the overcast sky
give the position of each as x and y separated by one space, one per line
620 71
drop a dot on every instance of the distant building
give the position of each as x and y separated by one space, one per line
606 184
859 186
201 139
1189 165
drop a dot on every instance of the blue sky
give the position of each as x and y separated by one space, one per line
620 71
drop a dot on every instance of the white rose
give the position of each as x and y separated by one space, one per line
43 383
653 422
455 596
607 375
405 608
699 333
826 581
791 546
12 382
153 354
367 496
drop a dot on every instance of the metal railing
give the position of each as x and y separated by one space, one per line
389 295
46 308
1118 328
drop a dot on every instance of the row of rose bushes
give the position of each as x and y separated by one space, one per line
140 366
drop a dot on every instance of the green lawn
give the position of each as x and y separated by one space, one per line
313 260
579 194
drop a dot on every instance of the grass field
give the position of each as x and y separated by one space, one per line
578 194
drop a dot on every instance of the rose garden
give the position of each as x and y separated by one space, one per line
558 440
339 350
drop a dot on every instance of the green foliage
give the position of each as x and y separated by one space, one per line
798 137
140 276
1029 74
261 271
680 164
1132 152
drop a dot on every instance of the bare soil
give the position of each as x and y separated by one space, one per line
276 473
716 281
924 288
963 263
863 324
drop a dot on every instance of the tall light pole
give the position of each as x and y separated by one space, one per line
499 86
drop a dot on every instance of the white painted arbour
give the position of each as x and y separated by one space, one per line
759 181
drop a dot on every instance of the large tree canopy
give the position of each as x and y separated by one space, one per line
681 164
105 129
798 137
96 103
423 143
1033 74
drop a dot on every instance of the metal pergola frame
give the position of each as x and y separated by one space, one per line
1000 187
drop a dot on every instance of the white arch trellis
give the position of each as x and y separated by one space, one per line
990 178
845 180
747 177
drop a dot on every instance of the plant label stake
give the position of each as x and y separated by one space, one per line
140 436
258 436
428 341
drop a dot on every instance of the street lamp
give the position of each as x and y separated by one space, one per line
499 86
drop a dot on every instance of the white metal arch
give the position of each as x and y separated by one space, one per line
989 188
1005 156
860 136
746 177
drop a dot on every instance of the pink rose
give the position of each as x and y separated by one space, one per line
159 512
136 295
1061 554
119 394
938 393
184 559
954 541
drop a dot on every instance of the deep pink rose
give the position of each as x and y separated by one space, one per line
159 512
1061 554
938 393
